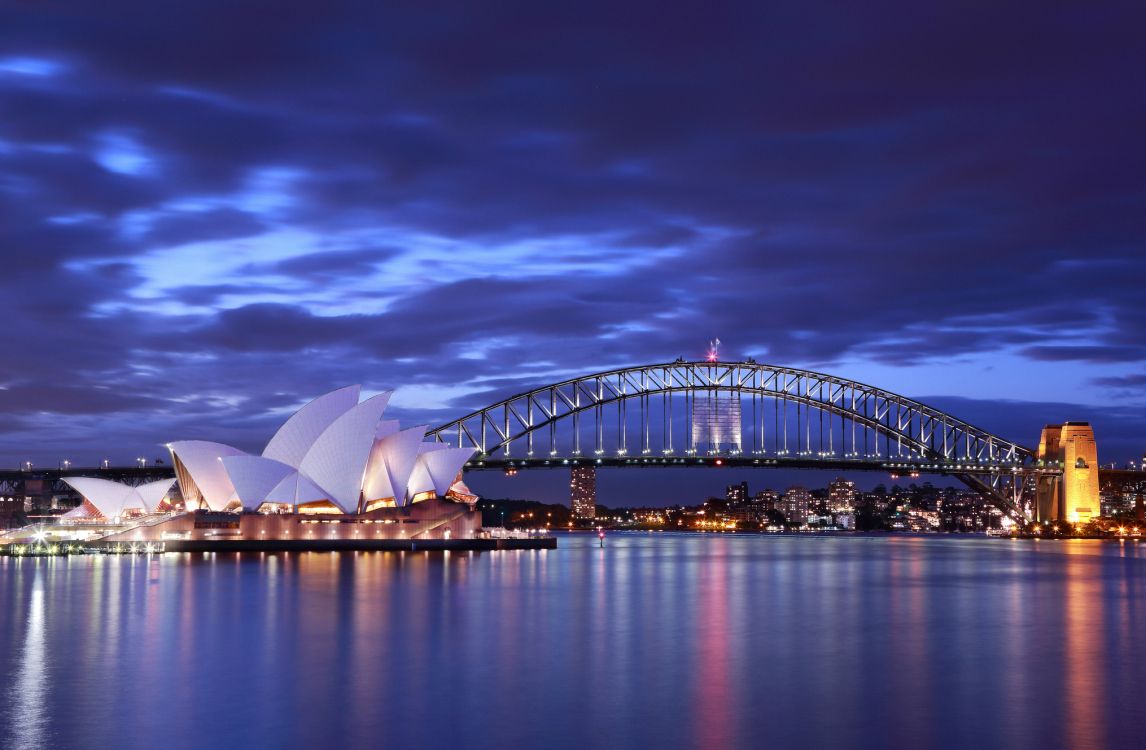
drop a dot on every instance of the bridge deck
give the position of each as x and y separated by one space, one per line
834 463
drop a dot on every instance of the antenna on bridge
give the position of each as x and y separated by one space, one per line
713 351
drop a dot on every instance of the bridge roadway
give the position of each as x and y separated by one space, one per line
112 473
831 463
10 479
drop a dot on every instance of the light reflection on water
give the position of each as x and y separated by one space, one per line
28 691
662 640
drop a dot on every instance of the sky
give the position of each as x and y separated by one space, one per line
211 212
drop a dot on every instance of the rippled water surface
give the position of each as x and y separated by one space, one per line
658 640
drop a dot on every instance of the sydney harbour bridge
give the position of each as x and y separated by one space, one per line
746 414
713 413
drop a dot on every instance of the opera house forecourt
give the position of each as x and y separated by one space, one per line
336 475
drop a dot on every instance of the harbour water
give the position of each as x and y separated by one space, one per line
655 640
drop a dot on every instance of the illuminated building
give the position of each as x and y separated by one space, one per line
583 491
333 456
767 499
841 495
103 499
736 494
334 474
795 504
1073 497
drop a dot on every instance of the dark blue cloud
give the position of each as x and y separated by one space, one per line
225 208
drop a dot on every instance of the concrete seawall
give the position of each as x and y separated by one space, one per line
352 545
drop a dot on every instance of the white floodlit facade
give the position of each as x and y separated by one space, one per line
337 459
335 455
438 467
392 460
291 443
202 477
114 500
256 478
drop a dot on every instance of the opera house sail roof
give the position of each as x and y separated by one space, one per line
112 499
335 452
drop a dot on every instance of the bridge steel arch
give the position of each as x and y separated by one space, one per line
944 442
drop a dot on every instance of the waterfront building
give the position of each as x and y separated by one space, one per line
333 456
583 492
334 474
796 504
1115 501
736 494
841 495
111 501
766 499
819 520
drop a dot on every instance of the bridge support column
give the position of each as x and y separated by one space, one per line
1047 506
1073 497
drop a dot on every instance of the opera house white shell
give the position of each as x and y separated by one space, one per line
112 500
335 454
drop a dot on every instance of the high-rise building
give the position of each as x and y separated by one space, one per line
767 499
796 504
583 491
736 494
841 495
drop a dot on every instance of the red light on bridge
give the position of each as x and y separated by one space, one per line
719 462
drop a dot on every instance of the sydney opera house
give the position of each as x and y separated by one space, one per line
336 455
112 501
336 473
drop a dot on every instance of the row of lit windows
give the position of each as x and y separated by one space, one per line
362 521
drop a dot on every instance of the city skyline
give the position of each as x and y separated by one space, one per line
525 375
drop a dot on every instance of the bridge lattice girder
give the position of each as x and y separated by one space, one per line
931 434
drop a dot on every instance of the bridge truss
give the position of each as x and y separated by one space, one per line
738 414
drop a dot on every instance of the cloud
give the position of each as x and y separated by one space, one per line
1084 353
1123 381
330 264
222 209
185 227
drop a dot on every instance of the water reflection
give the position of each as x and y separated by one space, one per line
655 641
712 646
1085 653
29 690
